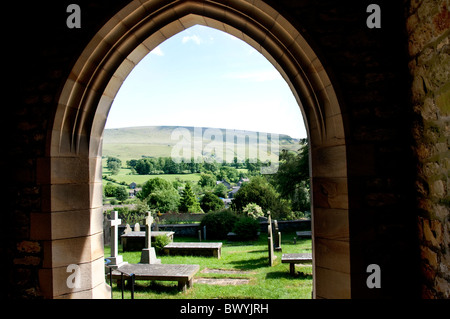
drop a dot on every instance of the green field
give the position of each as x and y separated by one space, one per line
124 176
156 141
252 256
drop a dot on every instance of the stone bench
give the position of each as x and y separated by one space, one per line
194 249
293 259
184 274
303 234
135 240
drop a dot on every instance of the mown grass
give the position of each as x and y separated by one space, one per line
265 282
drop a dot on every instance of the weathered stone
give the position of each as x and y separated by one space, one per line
443 103
432 231
443 287
441 20
437 189
430 256
29 247
28 260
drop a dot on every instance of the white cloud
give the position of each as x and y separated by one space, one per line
157 51
195 38
255 76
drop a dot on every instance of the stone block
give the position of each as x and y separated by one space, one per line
29 246
331 224
443 101
330 193
429 255
65 197
332 254
329 161
331 284
68 251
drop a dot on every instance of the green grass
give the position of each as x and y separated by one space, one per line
124 176
265 282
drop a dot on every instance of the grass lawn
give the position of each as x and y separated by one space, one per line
265 282
124 176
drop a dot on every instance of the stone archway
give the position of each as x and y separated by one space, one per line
71 226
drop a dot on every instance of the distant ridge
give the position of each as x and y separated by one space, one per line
156 141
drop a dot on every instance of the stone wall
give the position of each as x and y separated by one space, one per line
428 28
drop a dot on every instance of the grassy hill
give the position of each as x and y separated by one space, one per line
156 141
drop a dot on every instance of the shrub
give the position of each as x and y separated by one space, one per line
246 228
211 202
219 224
253 210
160 242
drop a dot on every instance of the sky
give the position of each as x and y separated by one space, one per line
204 77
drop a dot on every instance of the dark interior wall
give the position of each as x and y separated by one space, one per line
369 68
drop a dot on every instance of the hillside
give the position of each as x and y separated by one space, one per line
156 141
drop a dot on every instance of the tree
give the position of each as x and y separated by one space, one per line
160 195
220 190
292 178
143 166
164 200
152 185
114 165
109 190
207 180
121 193
188 201
211 202
262 193
229 174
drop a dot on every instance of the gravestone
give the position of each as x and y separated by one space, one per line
115 260
277 236
127 229
272 256
106 230
148 254
137 227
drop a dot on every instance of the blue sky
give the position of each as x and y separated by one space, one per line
207 78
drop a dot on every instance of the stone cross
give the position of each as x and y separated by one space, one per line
148 230
116 259
148 254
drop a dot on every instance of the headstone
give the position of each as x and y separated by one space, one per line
127 229
137 227
116 259
277 236
148 254
106 230
272 256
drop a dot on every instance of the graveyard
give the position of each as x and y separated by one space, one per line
242 270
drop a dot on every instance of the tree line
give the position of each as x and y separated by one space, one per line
166 165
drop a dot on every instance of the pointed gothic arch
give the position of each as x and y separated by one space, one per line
71 225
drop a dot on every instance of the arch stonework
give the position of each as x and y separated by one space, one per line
74 189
